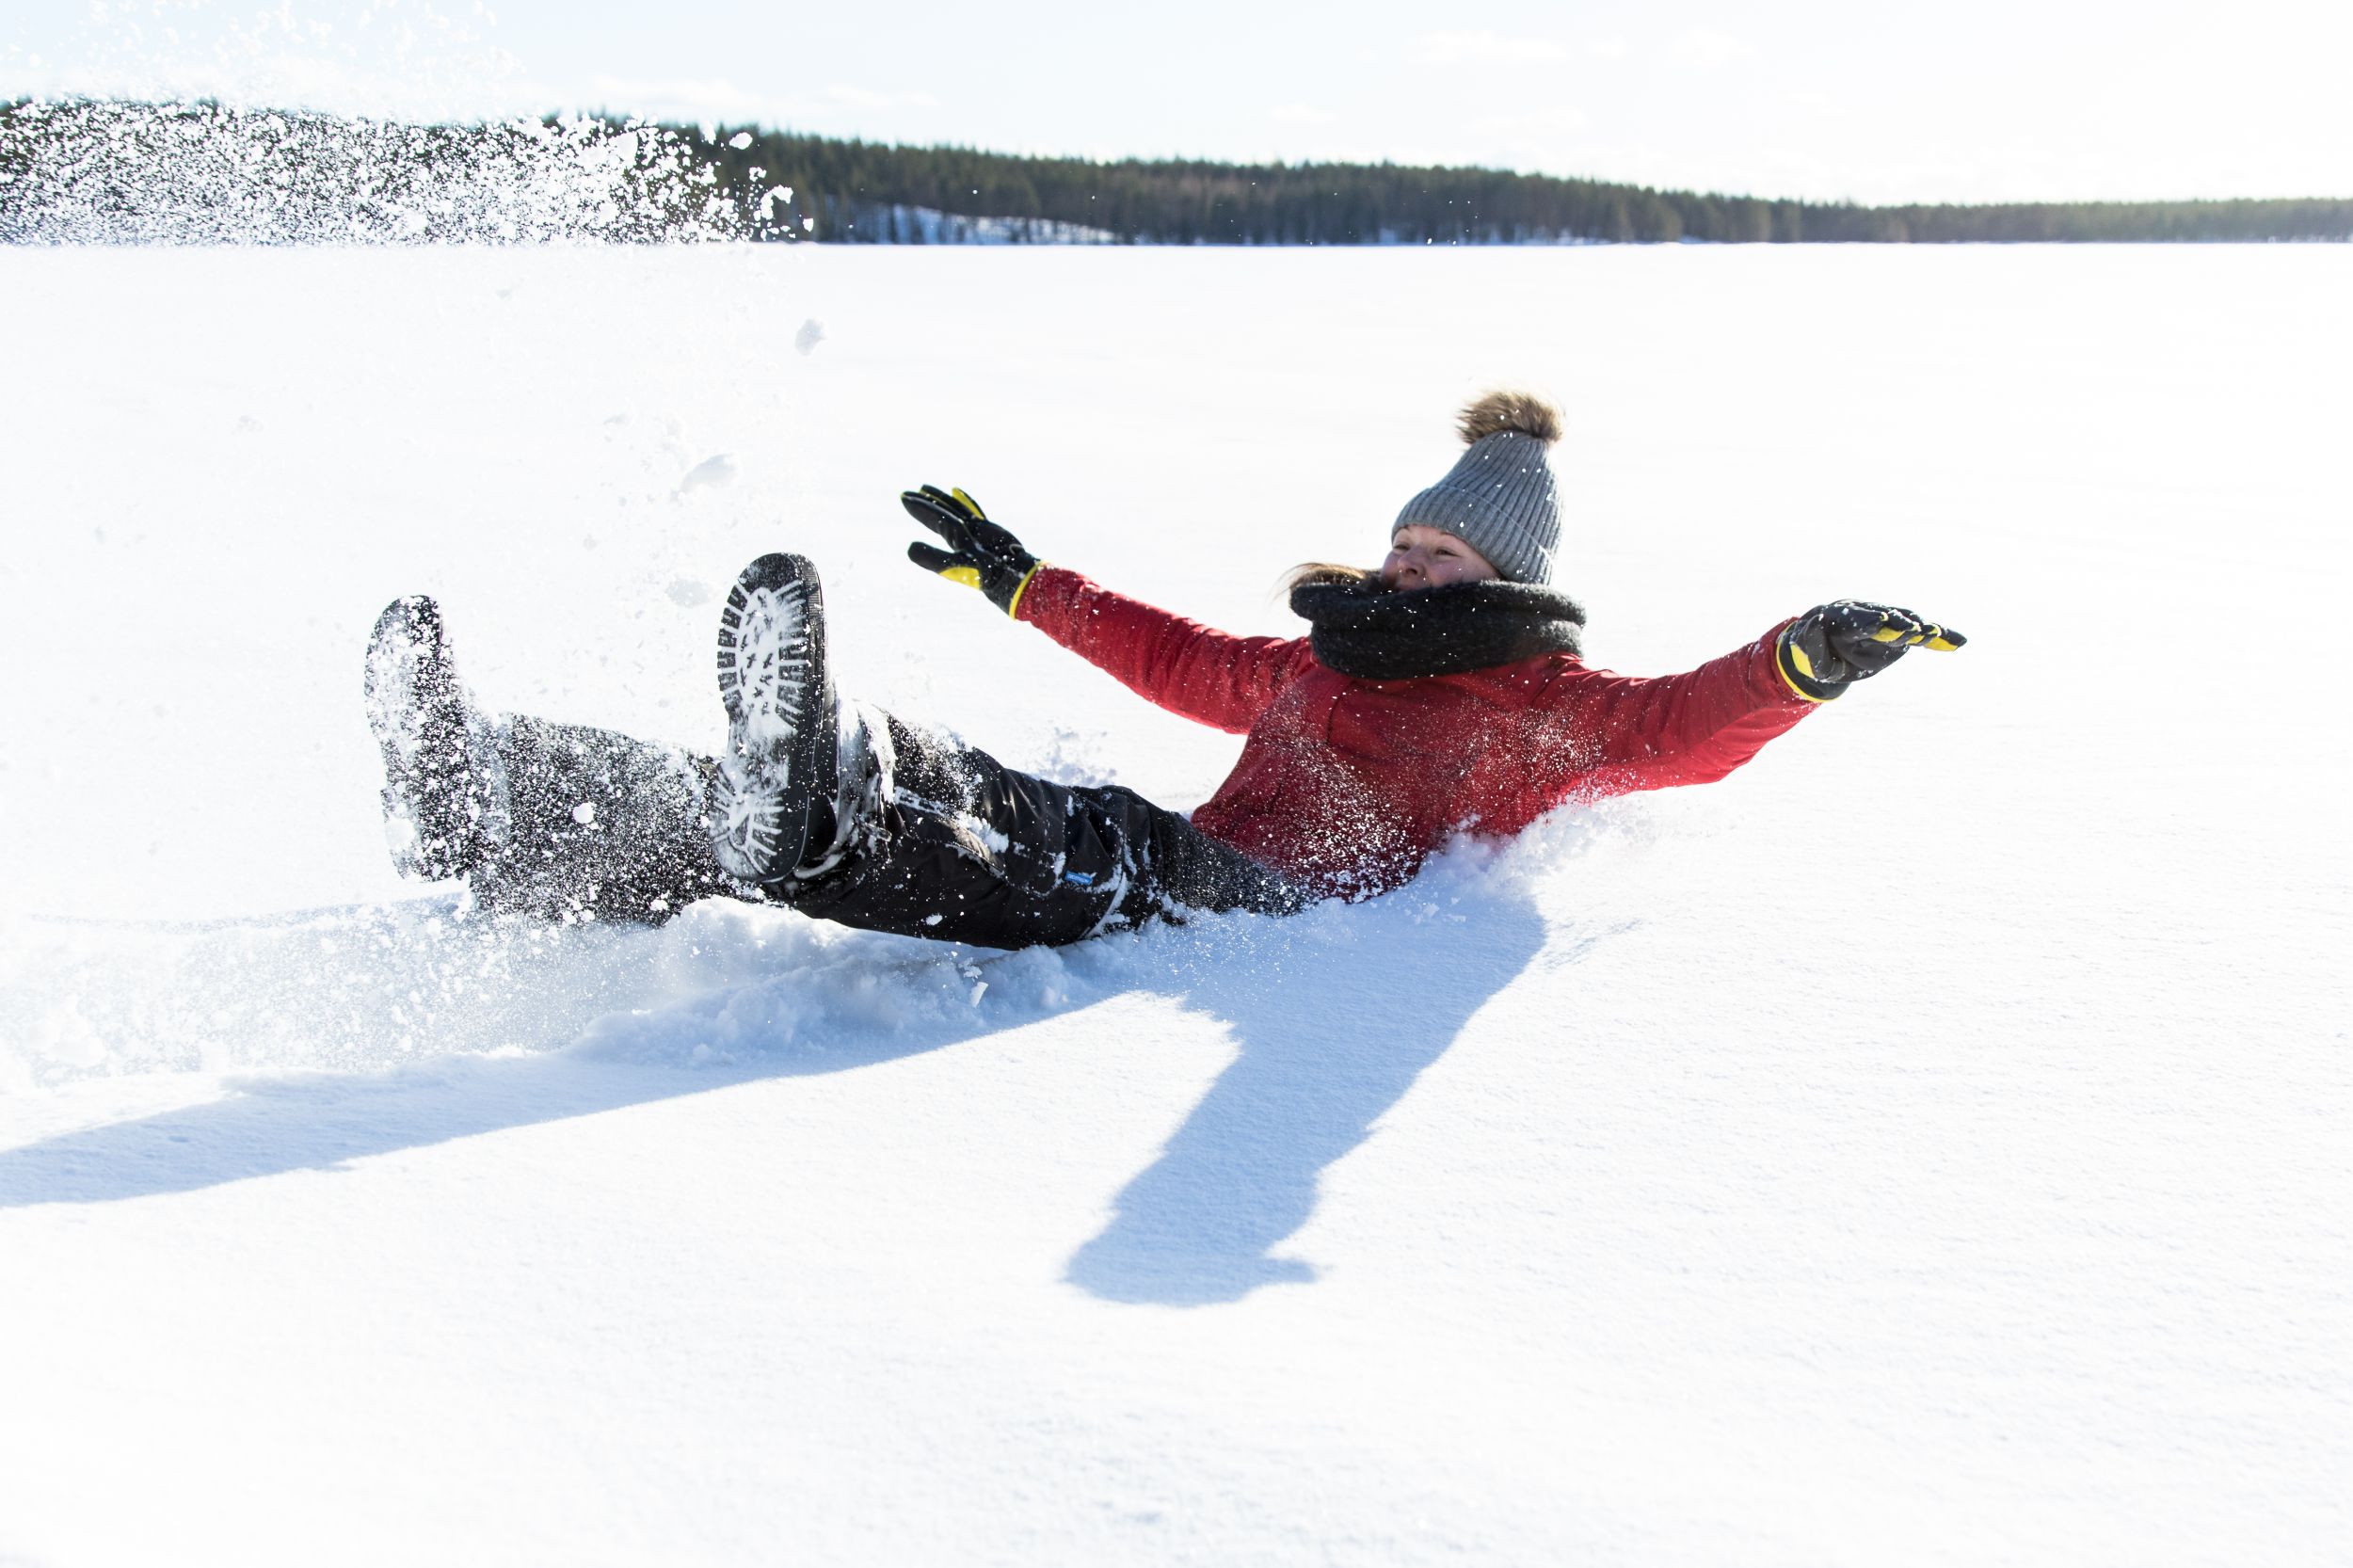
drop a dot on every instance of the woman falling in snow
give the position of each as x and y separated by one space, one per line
1443 693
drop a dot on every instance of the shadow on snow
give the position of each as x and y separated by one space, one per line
1334 1015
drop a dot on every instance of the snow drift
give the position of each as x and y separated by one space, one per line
1925 1144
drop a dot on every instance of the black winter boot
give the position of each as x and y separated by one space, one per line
776 781
444 796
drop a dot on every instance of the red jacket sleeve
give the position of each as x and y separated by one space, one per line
1213 677
1618 734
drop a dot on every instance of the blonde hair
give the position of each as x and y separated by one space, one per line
1317 573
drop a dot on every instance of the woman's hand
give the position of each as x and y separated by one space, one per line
1831 645
980 554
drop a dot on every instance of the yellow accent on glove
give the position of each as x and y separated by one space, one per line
1927 636
1012 611
1789 656
971 578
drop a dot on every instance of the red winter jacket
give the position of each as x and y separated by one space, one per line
1347 784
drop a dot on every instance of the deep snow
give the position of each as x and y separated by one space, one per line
1926 1145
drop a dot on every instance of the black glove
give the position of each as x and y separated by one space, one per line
1831 644
980 553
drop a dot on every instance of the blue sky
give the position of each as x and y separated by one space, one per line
1999 100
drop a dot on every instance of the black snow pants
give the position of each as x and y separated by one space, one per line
949 843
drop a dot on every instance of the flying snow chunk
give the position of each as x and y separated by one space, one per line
812 332
686 593
710 474
740 140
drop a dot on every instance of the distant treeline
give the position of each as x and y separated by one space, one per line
109 171
857 191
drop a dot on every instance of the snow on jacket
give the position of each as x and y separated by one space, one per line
1348 784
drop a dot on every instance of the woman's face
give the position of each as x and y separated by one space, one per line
1425 557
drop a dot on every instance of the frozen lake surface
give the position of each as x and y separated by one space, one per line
1927 1145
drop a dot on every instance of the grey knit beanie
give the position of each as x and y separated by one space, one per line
1501 497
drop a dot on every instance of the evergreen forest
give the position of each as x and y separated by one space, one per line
138 172
865 192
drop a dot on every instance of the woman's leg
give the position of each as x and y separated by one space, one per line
600 825
940 840
558 820
891 827
877 824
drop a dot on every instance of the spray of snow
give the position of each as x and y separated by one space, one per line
104 172
374 986
362 988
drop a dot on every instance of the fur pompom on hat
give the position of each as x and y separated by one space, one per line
1521 413
1501 497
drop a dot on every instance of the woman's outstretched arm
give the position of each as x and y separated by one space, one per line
1613 733
1210 677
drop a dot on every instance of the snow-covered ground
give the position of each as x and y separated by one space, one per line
1929 1145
